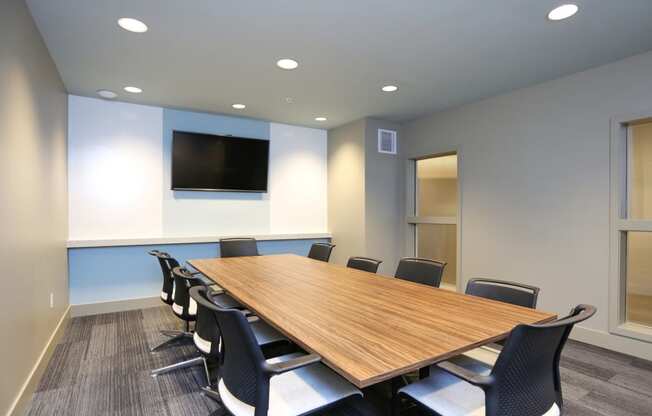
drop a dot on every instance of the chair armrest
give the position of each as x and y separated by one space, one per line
293 364
467 375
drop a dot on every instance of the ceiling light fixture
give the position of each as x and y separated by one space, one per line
320 119
390 88
109 95
562 12
132 25
239 106
287 63
133 90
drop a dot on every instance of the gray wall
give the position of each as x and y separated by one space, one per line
33 212
365 194
346 190
385 196
534 182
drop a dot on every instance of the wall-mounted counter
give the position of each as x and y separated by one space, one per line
109 275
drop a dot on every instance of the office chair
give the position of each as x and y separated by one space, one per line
207 337
525 380
509 292
365 264
238 247
167 263
424 271
321 251
290 385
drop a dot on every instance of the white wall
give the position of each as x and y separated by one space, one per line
114 169
120 186
534 181
299 180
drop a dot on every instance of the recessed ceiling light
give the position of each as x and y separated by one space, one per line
563 12
287 63
133 90
132 25
106 94
390 88
239 106
320 119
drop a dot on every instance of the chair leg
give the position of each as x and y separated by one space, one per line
175 338
170 332
211 394
184 364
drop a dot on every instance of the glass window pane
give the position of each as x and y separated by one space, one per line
437 187
639 277
640 170
439 242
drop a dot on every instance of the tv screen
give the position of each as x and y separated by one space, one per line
205 162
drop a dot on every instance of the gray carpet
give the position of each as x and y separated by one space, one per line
101 367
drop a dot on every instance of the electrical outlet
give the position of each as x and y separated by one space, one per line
51 300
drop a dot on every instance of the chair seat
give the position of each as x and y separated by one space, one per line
264 334
192 308
448 395
296 392
486 355
227 302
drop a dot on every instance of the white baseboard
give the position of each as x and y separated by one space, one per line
19 406
613 342
114 306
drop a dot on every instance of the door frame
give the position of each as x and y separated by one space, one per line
412 220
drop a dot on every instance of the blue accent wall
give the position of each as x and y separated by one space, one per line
107 274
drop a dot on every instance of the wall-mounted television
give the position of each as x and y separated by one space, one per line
206 162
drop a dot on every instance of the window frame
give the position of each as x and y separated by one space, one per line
620 225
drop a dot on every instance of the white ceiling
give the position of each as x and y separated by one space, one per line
208 54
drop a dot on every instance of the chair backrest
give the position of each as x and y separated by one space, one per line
206 325
238 247
242 368
167 263
321 251
526 375
184 306
365 264
424 271
508 292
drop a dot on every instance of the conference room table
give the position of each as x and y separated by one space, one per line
367 327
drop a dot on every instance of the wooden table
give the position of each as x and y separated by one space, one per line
366 327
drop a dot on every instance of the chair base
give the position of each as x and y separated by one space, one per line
174 337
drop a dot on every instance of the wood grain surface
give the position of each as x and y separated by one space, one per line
368 328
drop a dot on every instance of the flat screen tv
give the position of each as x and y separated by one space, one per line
205 162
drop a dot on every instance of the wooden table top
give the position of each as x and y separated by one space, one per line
368 328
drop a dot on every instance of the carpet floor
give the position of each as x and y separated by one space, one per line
102 366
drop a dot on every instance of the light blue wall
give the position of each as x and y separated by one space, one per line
116 273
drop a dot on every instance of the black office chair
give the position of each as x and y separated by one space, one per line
525 380
365 264
167 263
207 337
290 385
424 271
238 247
321 251
509 292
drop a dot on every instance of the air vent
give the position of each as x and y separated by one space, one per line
387 141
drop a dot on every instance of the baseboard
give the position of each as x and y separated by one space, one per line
21 402
114 306
629 346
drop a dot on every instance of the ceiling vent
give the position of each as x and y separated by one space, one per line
387 141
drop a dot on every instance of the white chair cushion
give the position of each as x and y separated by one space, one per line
164 296
265 334
451 396
486 355
178 309
295 392
202 344
192 307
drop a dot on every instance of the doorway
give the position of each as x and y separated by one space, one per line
436 213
